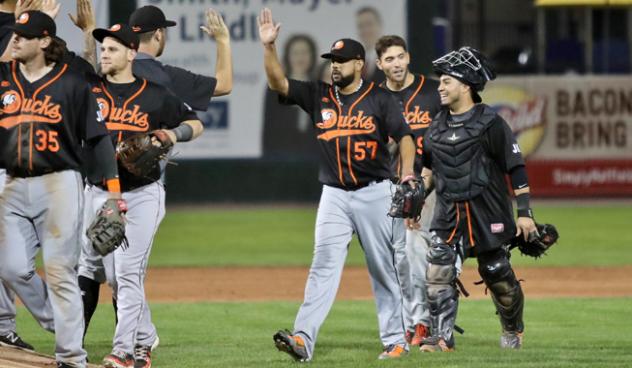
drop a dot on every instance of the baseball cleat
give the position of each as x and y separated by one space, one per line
408 336
435 344
142 356
64 365
421 332
291 344
155 343
12 340
393 351
511 340
118 359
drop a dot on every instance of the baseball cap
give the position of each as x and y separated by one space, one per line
34 24
347 49
149 18
122 32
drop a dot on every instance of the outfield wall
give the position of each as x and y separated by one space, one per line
575 131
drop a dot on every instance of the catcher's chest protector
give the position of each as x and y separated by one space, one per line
459 161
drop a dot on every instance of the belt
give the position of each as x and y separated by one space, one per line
350 188
24 173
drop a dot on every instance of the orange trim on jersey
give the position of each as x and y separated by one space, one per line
127 127
458 219
140 90
53 80
353 105
31 147
340 175
349 161
11 121
469 223
412 97
113 185
19 146
120 136
17 82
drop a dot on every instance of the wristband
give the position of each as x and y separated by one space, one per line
524 210
113 185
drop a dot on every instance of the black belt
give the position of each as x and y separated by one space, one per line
356 186
24 173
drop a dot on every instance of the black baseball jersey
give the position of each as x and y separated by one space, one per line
195 90
352 133
419 103
133 108
469 162
43 124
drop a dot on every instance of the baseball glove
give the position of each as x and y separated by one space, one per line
407 201
141 153
107 231
537 244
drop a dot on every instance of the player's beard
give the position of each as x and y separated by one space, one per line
344 80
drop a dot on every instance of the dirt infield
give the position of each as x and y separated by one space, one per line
287 283
12 358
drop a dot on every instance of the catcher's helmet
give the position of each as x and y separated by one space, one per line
467 65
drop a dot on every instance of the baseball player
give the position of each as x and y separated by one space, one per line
130 106
352 122
43 313
468 150
417 96
195 90
48 112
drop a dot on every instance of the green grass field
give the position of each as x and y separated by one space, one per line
559 333
589 236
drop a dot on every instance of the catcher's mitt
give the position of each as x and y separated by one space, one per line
537 244
141 153
107 231
407 201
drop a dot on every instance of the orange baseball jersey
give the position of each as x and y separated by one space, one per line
420 103
43 124
133 108
352 130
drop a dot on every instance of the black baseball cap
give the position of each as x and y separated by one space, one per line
122 32
149 18
34 24
347 49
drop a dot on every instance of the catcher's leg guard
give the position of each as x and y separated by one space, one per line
496 271
442 293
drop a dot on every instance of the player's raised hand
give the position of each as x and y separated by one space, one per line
85 18
51 8
24 5
215 26
268 31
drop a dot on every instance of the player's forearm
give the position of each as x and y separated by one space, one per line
274 71
90 48
187 131
223 68
407 152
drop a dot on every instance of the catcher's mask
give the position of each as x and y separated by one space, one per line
467 65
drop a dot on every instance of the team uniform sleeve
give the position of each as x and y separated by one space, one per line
502 146
302 94
174 112
89 117
396 125
195 89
